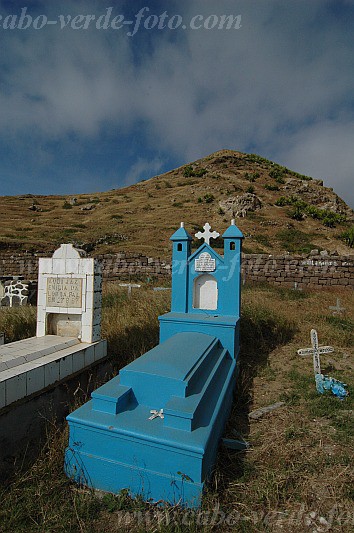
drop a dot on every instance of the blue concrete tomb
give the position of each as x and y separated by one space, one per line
155 428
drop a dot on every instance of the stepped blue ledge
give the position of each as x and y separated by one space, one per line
155 428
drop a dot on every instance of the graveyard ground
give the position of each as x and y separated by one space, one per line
297 474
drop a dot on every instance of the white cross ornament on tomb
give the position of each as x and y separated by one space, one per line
156 414
207 234
315 351
336 309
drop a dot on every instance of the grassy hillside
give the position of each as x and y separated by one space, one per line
293 212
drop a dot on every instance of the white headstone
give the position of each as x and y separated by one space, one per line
69 296
205 292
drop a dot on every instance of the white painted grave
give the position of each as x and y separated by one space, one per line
69 290
68 328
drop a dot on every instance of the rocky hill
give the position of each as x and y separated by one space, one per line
277 209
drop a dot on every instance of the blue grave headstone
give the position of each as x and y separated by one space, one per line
155 428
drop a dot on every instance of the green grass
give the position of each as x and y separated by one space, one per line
295 241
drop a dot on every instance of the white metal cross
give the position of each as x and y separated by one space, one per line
336 309
207 234
316 350
130 286
156 414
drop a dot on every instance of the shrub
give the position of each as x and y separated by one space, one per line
209 198
66 205
328 217
250 189
277 174
189 172
297 213
271 187
348 237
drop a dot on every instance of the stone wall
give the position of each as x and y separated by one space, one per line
313 271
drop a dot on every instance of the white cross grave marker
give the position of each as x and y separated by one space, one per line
130 286
316 350
207 234
336 309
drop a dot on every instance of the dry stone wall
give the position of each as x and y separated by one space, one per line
314 271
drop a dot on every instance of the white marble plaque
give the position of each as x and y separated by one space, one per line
205 263
64 292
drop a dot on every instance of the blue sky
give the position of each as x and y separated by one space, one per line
84 110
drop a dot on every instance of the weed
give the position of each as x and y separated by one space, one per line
348 237
80 226
208 198
190 172
294 240
262 239
301 208
277 173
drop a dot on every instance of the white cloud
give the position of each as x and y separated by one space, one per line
142 169
282 84
325 151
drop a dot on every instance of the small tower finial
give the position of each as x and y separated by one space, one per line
233 222
182 224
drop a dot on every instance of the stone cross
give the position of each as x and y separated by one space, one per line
315 351
130 286
336 309
207 234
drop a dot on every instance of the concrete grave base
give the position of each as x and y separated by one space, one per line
31 365
25 425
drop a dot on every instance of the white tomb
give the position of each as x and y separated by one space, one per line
69 295
68 328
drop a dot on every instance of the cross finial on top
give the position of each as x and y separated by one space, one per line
207 234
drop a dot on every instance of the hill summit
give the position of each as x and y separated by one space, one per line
277 209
